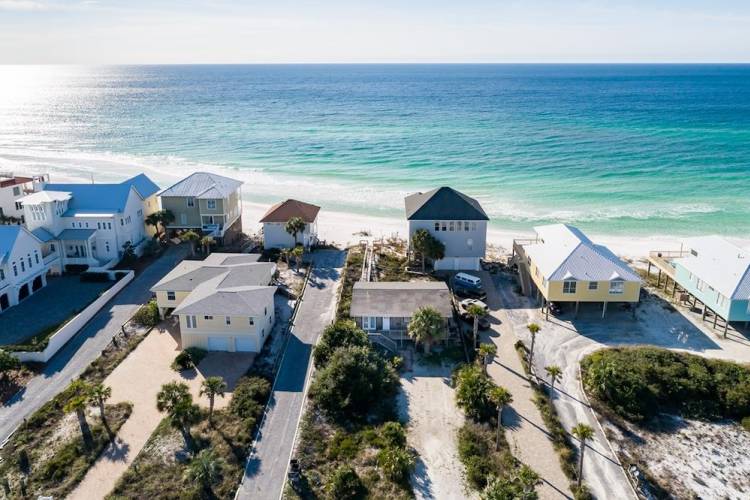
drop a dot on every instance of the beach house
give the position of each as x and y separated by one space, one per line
386 307
206 202
223 303
12 189
89 224
455 219
713 271
275 219
22 269
562 265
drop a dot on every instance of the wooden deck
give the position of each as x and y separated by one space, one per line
662 260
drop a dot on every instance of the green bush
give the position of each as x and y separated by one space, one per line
473 393
344 484
393 434
343 446
182 362
638 383
147 315
196 354
474 453
746 423
396 463
249 396
343 333
355 382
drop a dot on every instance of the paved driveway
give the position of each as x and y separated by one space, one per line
56 302
82 349
265 474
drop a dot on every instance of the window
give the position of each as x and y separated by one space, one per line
208 318
23 266
593 285
443 226
701 284
451 226
170 296
109 224
15 270
122 222
52 247
265 311
437 225
569 287
369 323
19 205
16 191
190 320
466 225
473 226
140 213
2 275
251 321
228 320
211 204
616 287
36 256
191 202
106 246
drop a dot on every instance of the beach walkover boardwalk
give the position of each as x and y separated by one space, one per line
265 474
86 346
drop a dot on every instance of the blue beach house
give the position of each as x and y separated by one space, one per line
717 273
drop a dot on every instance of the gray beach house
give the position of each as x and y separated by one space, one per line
455 219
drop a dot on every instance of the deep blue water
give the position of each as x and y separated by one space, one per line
620 149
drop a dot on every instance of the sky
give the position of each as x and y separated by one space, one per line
371 31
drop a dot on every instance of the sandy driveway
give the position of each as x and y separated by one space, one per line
427 403
138 379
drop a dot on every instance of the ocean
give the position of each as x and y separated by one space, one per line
616 149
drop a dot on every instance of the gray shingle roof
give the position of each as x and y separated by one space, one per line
191 273
399 299
243 301
443 203
203 185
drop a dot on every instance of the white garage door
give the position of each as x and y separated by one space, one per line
245 344
218 344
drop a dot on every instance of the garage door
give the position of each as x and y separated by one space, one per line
245 344
218 344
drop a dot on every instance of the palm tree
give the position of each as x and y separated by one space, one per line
191 237
426 326
205 470
294 226
583 432
427 246
175 400
98 395
212 387
78 403
284 254
533 329
207 242
501 397
163 217
485 352
555 374
298 252
475 311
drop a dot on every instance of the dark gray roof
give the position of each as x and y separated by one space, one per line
443 203
76 234
399 299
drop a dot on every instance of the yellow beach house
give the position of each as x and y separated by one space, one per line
562 265
224 303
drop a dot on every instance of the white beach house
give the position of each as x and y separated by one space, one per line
12 189
89 224
22 268
274 222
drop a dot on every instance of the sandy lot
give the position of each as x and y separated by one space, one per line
427 405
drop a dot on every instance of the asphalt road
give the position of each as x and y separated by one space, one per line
86 346
265 473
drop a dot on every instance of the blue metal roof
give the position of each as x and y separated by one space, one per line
43 235
145 186
8 236
76 234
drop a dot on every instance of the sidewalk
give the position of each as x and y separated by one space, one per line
524 427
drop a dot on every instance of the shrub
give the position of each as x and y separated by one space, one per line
393 434
343 446
150 248
640 382
343 333
396 463
356 381
196 354
249 396
473 392
344 484
182 361
147 315
746 423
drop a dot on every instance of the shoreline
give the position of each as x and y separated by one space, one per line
340 227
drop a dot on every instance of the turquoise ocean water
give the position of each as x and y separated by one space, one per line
617 149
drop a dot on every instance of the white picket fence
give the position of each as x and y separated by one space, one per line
72 327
